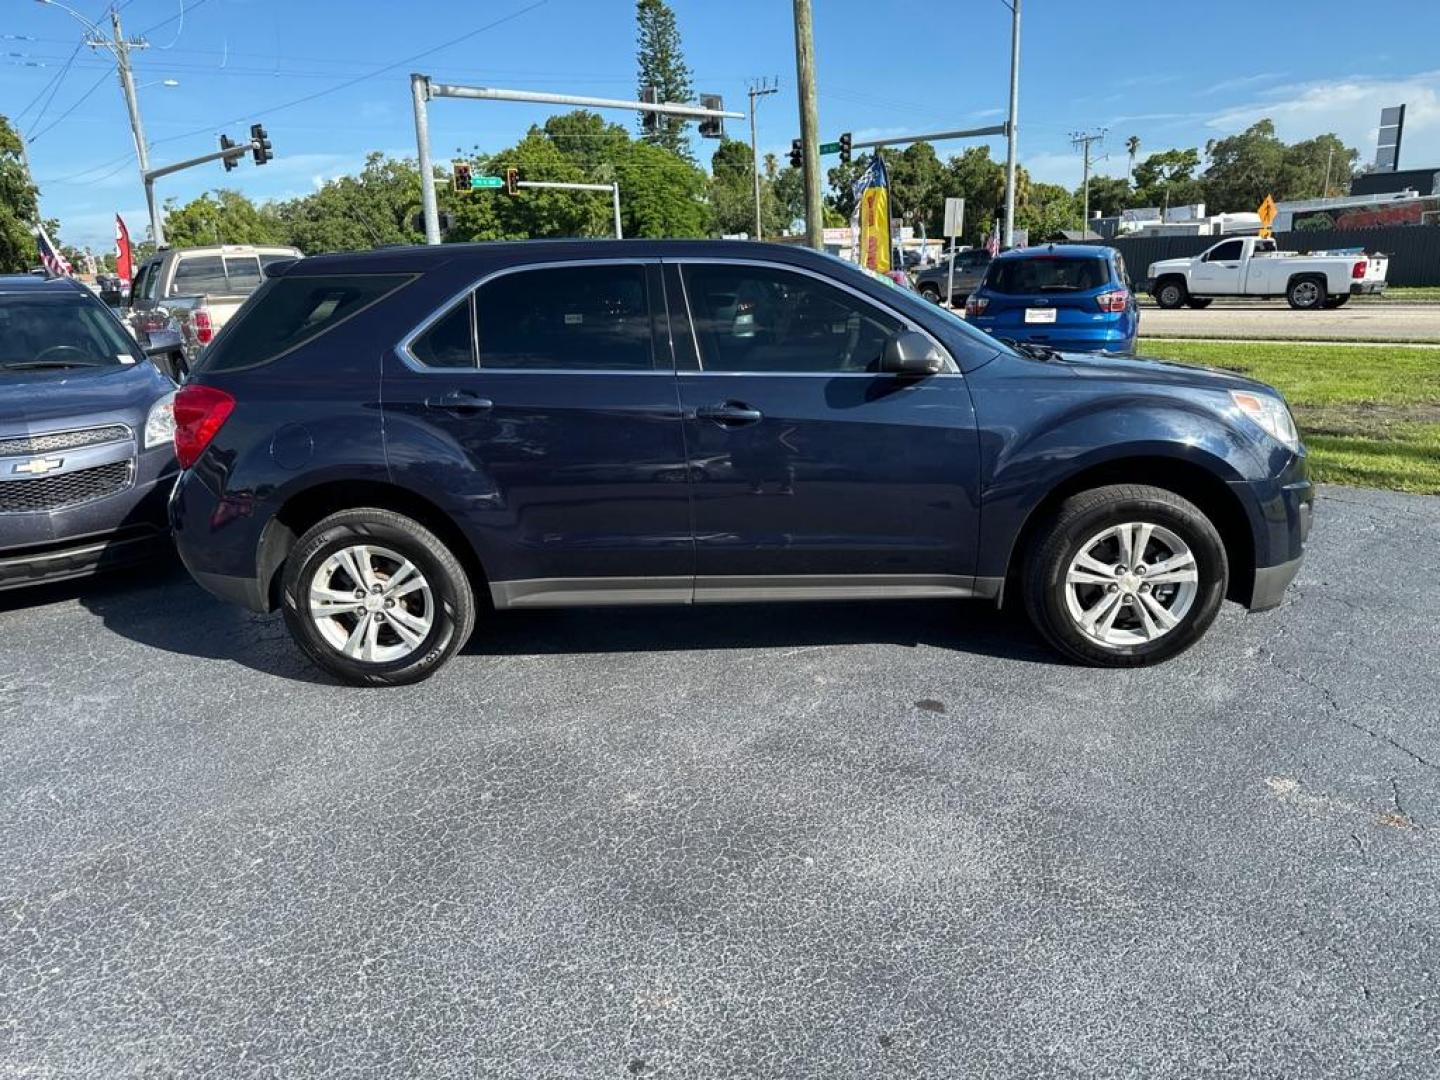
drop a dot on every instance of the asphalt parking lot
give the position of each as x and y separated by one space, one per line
1256 320
855 841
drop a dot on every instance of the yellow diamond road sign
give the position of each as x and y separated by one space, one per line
1267 211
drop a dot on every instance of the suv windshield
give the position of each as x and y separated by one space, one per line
60 331
1047 273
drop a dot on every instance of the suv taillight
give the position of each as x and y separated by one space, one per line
976 305
200 411
204 328
1113 301
1358 270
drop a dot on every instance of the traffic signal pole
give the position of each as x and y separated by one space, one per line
423 88
613 189
149 176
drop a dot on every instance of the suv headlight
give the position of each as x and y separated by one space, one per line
160 423
1271 414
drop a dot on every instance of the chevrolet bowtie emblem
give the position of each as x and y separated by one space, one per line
39 466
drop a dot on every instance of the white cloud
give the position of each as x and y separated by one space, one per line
1349 106
1243 82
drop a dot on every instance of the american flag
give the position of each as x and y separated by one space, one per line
56 265
992 242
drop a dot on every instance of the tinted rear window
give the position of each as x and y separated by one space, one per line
288 312
202 274
1047 273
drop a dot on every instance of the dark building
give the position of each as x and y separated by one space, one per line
1424 181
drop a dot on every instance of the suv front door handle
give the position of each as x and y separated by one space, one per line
729 413
459 401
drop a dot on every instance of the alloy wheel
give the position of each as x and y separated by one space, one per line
371 604
1131 584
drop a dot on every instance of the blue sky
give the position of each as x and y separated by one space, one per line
885 68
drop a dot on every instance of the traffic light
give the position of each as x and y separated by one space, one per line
461 173
649 121
512 181
227 143
260 144
845 148
797 158
712 127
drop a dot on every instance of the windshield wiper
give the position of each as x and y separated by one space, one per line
38 365
1032 350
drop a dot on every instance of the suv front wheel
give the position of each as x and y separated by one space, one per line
376 599
1125 575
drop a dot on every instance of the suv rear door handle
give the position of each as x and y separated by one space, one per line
459 401
729 413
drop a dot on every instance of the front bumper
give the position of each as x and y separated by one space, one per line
120 530
1281 511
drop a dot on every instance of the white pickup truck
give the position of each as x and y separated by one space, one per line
1254 266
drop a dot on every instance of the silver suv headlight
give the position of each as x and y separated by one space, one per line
1271 414
160 423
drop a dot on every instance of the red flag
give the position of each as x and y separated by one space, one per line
123 262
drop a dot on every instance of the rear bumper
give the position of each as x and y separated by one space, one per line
1367 288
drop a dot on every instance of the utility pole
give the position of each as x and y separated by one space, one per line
755 92
121 48
1010 123
1083 141
809 123
1329 159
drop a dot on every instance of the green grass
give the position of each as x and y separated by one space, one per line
1370 415
1409 294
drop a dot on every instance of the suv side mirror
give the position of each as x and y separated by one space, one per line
909 352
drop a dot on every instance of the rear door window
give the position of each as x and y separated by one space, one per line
1047 274
243 274
202 275
449 342
574 318
291 311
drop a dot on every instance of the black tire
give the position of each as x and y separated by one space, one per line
1083 516
452 603
1333 302
930 292
1199 303
1170 293
1306 294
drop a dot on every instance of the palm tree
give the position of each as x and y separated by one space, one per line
1132 147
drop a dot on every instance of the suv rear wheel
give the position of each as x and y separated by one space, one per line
1125 575
376 599
930 292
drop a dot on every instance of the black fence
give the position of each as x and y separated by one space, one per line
1414 250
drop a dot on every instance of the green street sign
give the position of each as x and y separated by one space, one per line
490 181
829 148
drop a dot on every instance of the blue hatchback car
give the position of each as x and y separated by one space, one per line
1070 297
390 445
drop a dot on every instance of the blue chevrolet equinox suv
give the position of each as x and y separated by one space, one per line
379 439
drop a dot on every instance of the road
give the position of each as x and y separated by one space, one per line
852 841
1257 320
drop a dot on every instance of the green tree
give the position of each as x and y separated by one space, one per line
19 205
533 214
917 186
587 139
790 196
662 66
1048 210
1168 179
1108 194
1244 168
661 194
732 192
974 177
226 218
1305 165
357 212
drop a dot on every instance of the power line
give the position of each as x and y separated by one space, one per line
73 105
